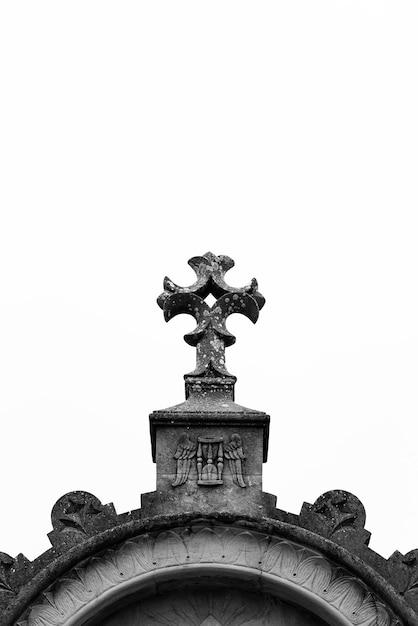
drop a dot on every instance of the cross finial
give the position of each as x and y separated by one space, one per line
210 335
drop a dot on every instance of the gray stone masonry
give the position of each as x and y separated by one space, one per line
209 451
211 425
209 520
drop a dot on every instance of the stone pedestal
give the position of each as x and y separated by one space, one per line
209 453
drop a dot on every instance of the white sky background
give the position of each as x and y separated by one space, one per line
135 135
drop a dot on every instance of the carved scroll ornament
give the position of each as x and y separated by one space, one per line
228 548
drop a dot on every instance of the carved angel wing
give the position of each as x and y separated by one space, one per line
186 449
235 455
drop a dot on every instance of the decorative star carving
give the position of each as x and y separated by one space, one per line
210 337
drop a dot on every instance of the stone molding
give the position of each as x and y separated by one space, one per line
227 418
74 598
82 526
219 606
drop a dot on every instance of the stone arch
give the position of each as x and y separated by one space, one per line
149 563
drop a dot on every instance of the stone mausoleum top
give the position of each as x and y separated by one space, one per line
208 547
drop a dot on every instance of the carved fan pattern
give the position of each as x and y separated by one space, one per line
208 608
211 607
211 621
227 546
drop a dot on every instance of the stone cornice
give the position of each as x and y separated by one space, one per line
183 419
96 527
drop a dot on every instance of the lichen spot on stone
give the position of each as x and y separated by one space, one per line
216 344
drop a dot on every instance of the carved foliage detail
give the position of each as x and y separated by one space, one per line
404 569
6 563
13 574
150 552
410 561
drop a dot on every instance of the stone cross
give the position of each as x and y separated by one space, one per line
210 337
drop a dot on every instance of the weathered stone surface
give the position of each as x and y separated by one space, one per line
211 558
14 573
209 425
6 565
380 575
210 335
404 575
209 410
209 526
78 515
208 434
337 515
223 493
209 449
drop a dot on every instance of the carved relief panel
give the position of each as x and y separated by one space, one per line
209 454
